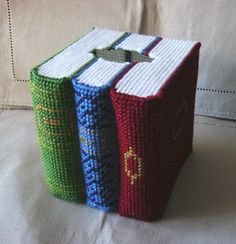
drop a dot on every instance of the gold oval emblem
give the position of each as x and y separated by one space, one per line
131 155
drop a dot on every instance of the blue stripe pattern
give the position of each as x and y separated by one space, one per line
121 40
150 44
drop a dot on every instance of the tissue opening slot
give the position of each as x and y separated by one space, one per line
121 55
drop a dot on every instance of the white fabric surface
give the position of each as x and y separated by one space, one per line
202 207
213 23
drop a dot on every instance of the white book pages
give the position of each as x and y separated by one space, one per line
101 73
145 79
136 42
76 55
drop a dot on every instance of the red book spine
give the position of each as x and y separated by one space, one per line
155 137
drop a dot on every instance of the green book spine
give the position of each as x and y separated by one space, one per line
55 114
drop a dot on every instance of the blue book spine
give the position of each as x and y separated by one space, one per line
98 144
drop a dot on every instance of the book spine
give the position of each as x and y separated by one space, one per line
54 109
155 137
138 154
98 144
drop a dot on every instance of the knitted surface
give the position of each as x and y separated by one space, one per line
54 107
150 105
155 137
98 142
99 145
55 115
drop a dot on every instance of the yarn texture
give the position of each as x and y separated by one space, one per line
55 116
114 113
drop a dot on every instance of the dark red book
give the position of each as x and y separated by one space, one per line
154 110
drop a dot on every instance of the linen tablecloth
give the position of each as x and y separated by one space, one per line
202 207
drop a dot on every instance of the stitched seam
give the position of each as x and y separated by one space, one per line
214 124
215 90
11 43
10 35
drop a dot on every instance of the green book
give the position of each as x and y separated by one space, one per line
55 113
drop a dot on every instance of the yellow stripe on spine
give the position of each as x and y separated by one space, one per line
39 107
48 121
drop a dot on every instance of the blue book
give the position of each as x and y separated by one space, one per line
97 132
